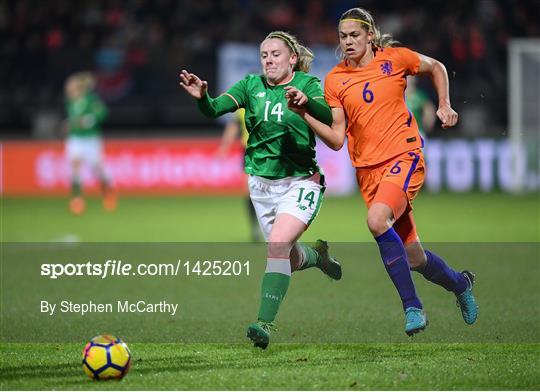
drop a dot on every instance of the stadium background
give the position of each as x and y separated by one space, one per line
136 49
172 187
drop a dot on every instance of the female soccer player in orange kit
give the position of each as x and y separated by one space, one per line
366 94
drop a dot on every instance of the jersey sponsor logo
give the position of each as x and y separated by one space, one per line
346 81
386 67
262 94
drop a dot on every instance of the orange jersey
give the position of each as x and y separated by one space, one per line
379 124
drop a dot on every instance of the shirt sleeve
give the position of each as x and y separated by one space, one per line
316 105
409 60
231 100
238 92
330 93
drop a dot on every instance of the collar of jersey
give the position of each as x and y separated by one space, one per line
281 84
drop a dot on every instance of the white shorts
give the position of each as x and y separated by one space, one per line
298 196
86 149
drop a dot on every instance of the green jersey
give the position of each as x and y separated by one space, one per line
416 102
85 115
280 143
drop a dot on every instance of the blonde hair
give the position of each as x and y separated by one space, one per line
86 79
304 54
368 24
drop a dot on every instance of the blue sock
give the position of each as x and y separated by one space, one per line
395 261
438 272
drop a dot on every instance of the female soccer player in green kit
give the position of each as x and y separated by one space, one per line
85 113
285 183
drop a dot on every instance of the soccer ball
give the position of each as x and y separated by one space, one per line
106 357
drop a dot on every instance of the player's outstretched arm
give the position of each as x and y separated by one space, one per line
198 89
439 77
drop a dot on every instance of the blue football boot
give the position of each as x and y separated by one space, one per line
415 321
466 302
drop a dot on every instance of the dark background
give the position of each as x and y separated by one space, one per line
137 47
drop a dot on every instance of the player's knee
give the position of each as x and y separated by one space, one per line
377 223
279 247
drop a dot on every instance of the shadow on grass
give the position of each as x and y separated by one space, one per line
59 370
67 369
238 357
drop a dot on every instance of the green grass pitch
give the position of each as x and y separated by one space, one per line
358 344
440 218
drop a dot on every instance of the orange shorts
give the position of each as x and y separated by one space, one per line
395 183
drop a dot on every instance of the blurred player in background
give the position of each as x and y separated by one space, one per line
235 128
366 94
420 105
85 114
285 183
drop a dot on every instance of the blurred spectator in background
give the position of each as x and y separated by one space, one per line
114 80
136 46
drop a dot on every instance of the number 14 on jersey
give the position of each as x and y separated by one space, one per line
277 110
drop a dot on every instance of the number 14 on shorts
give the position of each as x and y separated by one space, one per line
305 198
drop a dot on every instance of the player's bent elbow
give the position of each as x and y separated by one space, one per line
438 67
336 144
333 144
339 145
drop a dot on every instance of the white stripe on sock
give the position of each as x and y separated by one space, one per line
282 266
